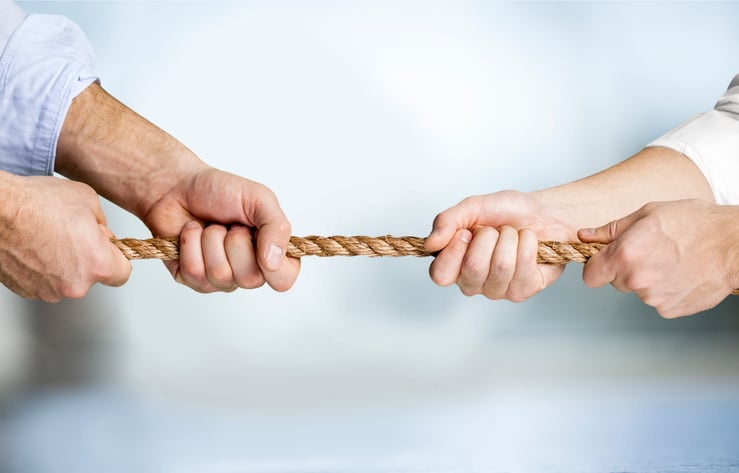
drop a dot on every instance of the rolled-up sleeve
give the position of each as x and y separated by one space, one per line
711 141
47 60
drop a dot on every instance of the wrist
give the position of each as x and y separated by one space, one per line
570 215
124 157
12 190
730 247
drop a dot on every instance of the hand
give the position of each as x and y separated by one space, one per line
54 242
218 215
148 172
489 244
676 256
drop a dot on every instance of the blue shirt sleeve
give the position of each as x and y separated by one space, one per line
46 62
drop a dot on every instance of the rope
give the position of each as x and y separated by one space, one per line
553 252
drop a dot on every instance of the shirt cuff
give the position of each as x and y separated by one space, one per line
45 64
711 141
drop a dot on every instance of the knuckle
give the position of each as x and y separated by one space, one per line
473 200
440 276
285 227
47 296
74 290
475 269
264 194
667 313
280 286
439 220
99 266
251 281
202 288
523 290
626 255
651 300
637 282
516 296
494 295
503 266
467 290
195 281
219 275
86 191
649 207
249 278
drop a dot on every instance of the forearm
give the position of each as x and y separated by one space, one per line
653 174
9 183
124 157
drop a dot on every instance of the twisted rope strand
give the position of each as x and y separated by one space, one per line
554 252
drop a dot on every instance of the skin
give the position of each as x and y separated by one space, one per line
232 231
54 239
677 255
680 257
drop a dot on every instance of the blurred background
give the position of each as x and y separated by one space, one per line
370 118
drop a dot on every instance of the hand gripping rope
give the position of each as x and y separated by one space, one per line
551 252
554 252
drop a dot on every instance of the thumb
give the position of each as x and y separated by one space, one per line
273 231
608 232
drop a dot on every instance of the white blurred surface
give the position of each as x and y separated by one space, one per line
370 118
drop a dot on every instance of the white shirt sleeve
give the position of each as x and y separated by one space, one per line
46 61
711 141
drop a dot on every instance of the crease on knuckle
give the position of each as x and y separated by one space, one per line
626 255
441 277
251 280
516 296
220 276
467 290
475 269
280 286
502 266
74 289
667 313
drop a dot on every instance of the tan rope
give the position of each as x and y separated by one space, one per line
554 252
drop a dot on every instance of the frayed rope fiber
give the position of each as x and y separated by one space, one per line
553 252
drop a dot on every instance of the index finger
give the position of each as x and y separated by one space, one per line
463 215
600 268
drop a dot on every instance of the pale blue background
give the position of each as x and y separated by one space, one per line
370 118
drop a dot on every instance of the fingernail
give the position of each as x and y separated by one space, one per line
466 236
274 257
190 225
587 231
